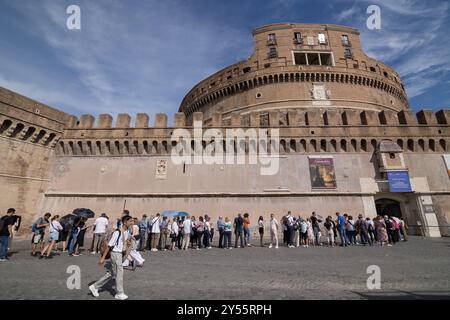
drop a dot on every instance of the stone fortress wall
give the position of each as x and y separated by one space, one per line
345 108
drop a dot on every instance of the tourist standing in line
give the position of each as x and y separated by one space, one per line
311 238
116 246
200 225
207 233
39 233
342 229
221 229
180 233
315 221
330 232
351 230
163 239
247 230
396 233
54 228
6 223
370 229
143 231
274 226
211 231
284 225
238 231
174 231
81 235
290 228
228 229
261 228
186 231
362 228
193 233
100 228
390 229
381 232
296 234
304 232
154 227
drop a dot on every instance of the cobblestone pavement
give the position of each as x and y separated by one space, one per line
419 268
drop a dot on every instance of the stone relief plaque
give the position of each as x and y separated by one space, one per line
161 169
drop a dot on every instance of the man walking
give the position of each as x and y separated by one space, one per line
6 223
117 245
290 226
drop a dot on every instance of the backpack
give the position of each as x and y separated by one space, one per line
33 228
396 225
105 244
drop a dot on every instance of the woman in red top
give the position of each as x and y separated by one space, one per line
247 230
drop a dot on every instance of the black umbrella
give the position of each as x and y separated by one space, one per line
85 213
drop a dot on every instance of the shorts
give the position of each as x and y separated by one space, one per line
304 235
54 236
37 238
64 235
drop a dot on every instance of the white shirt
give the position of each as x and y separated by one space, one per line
155 226
55 226
273 224
187 226
290 220
117 244
207 226
175 227
100 225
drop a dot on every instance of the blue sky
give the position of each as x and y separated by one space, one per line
144 56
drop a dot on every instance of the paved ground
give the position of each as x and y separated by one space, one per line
419 268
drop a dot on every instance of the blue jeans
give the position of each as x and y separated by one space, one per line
227 240
73 241
4 242
246 236
343 237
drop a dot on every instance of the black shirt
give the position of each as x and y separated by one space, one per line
6 221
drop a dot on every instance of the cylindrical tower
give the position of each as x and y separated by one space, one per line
299 66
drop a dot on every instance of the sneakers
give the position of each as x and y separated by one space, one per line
93 252
276 247
270 247
2 260
94 291
122 296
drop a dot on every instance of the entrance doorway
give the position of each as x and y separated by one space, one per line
389 207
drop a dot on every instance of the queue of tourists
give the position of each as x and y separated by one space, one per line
157 233
121 242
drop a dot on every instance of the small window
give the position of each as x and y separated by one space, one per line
345 40
272 38
229 77
273 52
392 155
373 69
247 70
322 38
313 59
348 53
267 65
297 38
386 74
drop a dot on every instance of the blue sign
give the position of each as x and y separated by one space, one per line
399 181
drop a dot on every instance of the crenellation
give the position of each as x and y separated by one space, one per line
197 117
179 120
293 118
426 116
236 120
389 118
274 118
255 120
443 116
105 121
86 121
314 118
161 120
370 118
332 118
123 121
351 118
406 117
142 120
